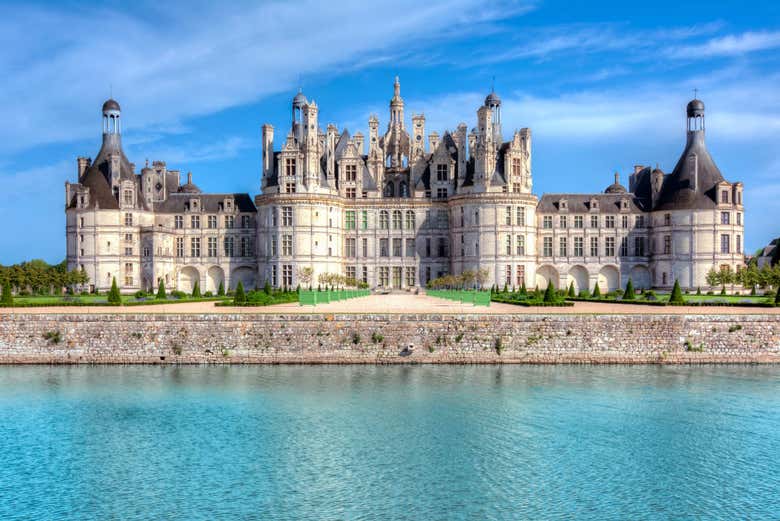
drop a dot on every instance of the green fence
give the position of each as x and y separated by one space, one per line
308 297
478 298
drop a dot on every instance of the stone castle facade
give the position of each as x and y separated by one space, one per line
394 211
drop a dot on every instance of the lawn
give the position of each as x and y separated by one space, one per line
97 300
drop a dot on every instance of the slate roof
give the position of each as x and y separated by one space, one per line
580 203
209 203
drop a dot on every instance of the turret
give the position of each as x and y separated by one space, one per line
418 136
112 124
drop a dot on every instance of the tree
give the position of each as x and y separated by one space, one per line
196 290
482 276
7 299
305 275
161 294
113 295
572 292
597 291
549 293
629 294
239 298
523 290
676 296
777 297
221 289
468 278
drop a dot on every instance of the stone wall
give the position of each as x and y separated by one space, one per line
384 338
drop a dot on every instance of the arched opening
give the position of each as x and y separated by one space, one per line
187 278
389 189
214 277
404 190
609 278
579 276
640 277
545 275
246 275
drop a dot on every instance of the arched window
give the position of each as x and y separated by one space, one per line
410 220
384 220
389 190
396 219
404 189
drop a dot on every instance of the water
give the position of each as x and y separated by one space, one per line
417 443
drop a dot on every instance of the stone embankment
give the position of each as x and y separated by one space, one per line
387 338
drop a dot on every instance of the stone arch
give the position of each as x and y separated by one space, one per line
609 279
246 275
214 277
580 277
545 275
640 277
187 277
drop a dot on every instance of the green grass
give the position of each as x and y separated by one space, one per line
97 300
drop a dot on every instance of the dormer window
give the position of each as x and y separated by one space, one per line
563 204
594 204
624 204
442 173
127 197
724 196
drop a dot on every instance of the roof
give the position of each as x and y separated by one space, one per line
110 104
96 177
209 203
580 203
695 108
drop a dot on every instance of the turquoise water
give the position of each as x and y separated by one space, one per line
416 443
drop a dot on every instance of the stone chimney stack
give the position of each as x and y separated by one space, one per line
83 164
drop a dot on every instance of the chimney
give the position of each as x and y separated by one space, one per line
189 178
358 137
433 141
83 164
617 178
638 168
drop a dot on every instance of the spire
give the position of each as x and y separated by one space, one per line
396 89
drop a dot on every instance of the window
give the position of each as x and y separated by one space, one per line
443 247
520 244
128 237
350 174
639 246
594 221
520 275
411 276
476 217
578 221
624 247
441 219
520 217
146 251
562 250
128 274
180 246
195 247
384 220
667 244
725 217
578 249
274 216
563 221
128 219
509 216
365 247
410 220
287 244
639 221
129 250
246 247
128 196
287 275
410 248
739 219
508 272
364 219
725 243
350 247
396 276
289 167
81 222
609 247
396 219
351 272
195 221
441 193
365 275
229 221
289 188
384 247
441 173
245 221
462 217
547 247
594 246
667 219
508 244
212 221
624 220
228 242
212 246
738 244
287 216
350 220
547 222
724 196
350 193
384 276
609 221
273 246
427 274
397 247
516 167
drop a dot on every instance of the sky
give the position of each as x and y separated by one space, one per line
602 86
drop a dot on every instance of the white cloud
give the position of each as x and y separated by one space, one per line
730 45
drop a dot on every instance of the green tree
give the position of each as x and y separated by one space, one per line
161 294
523 290
7 299
698 292
549 293
676 297
629 294
221 289
196 290
777 297
113 295
597 291
572 292
239 298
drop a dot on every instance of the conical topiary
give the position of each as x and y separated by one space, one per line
240 297
777 296
7 298
113 295
753 290
549 293
161 294
629 294
597 291
196 290
523 290
221 289
676 296
572 292
698 291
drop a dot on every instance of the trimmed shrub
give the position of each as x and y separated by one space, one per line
549 293
584 294
572 292
753 291
267 288
777 296
676 297
723 290
523 290
597 291
7 299
240 297
698 292
221 289
629 294
161 294
113 295
196 290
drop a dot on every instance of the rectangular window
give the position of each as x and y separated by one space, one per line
245 221
725 217
212 246
667 219
350 172
212 222
365 247
609 247
547 247
725 243
229 246
365 274
180 246
289 188
738 244
509 216
508 275
547 222
350 193
594 221
384 276
624 247
272 246
667 244
578 221
639 246
229 221
594 246
411 220
563 221
384 220
441 173
246 247
411 276
350 219
287 216
350 247
274 216
562 243
578 247
129 250
287 245
128 219
442 220
609 221
739 219
443 247
289 167
396 276
274 276
520 216
384 247
195 221
195 247
639 221
397 247
410 249
128 196
364 219
441 193
128 237
520 275
625 221
520 244
427 246
287 275
509 244
396 219
351 272
724 196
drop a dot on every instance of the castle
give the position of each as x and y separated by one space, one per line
396 212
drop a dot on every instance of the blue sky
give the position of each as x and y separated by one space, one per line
602 85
